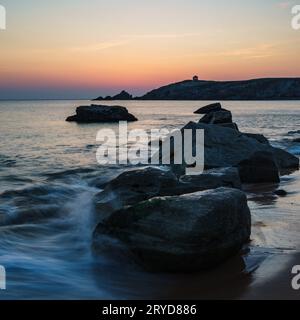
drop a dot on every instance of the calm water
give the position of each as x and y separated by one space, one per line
48 173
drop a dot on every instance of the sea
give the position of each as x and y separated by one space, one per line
49 176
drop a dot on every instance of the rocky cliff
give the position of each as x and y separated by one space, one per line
257 89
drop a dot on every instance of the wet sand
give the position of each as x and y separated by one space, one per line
276 231
279 285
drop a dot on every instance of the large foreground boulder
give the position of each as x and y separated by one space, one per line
101 113
181 233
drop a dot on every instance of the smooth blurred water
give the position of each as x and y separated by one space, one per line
48 176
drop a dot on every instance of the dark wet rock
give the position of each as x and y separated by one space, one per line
259 137
259 168
285 160
229 148
101 113
134 186
217 117
281 193
138 185
209 108
223 147
123 95
210 179
232 125
180 233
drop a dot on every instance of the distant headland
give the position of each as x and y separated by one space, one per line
195 89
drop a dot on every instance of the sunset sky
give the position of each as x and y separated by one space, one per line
82 49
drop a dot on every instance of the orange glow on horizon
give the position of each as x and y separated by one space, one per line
140 53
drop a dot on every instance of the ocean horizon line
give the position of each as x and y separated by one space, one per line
94 101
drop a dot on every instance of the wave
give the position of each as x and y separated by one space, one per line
6 161
294 149
33 203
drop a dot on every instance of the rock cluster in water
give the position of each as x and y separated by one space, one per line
167 221
101 113
225 146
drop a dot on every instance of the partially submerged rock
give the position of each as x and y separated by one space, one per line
281 193
215 114
209 108
259 168
181 233
230 148
285 160
224 147
101 113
